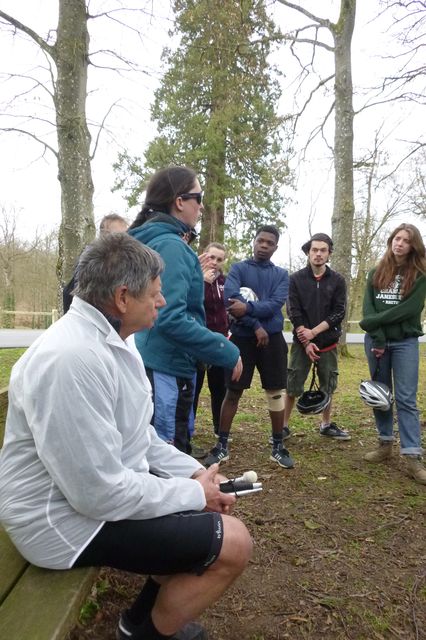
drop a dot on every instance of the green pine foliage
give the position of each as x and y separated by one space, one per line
216 111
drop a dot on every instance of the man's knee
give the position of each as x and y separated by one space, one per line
275 399
237 544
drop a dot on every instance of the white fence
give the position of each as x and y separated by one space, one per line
53 315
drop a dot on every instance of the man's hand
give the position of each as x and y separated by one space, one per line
237 370
311 351
378 352
237 308
262 337
215 499
304 334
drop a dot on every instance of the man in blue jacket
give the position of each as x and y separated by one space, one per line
255 292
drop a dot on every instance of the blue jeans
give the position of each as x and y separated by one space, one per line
399 369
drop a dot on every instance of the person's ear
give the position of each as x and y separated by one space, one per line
121 298
178 204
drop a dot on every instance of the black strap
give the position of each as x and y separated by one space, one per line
314 384
377 369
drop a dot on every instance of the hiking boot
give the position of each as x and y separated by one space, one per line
282 457
286 435
416 468
217 454
126 630
333 431
381 453
198 452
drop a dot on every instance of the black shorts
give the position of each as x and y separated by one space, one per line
270 361
187 542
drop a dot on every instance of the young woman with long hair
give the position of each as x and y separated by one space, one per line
393 302
179 338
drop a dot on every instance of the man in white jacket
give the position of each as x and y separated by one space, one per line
85 480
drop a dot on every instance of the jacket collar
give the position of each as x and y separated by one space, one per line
108 325
326 272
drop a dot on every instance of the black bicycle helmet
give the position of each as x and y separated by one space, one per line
314 400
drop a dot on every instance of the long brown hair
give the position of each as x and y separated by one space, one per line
163 189
415 262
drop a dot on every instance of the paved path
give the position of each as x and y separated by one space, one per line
24 337
18 337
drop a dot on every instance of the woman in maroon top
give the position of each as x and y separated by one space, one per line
216 320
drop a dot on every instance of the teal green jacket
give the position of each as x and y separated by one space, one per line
384 319
179 339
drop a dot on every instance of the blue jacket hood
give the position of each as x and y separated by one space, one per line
157 225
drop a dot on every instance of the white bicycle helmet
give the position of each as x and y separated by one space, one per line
376 395
248 294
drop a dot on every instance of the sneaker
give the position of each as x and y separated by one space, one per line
217 454
126 630
282 457
286 436
333 431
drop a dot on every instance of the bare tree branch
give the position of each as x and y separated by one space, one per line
31 135
419 145
101 127
315 43
322 21
32 34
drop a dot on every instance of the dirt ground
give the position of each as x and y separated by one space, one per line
340 546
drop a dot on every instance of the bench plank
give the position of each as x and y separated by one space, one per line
37 604
44 604
3 411
12 565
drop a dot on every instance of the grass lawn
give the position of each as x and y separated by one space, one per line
339 545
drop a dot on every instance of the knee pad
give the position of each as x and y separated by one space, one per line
275 400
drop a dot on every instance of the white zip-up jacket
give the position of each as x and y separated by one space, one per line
79 449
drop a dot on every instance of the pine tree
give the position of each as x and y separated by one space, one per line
216 111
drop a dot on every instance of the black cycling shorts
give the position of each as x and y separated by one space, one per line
187 542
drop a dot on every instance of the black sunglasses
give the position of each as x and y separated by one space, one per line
197 195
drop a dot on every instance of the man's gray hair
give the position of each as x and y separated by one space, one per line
111 261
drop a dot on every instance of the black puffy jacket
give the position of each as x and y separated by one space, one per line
311 301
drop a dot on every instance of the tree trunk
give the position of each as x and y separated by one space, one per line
343 210
74 171
212 227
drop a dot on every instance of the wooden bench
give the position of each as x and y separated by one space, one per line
36 604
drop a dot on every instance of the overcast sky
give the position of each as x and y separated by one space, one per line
28 180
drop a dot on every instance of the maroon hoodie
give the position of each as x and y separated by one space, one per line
214 305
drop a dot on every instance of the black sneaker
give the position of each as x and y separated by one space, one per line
286 436
282 457
217 454
126 630
333 431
